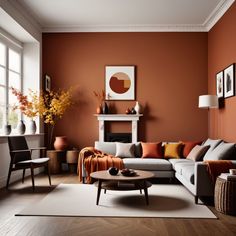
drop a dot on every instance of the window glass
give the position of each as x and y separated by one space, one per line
2 54
2 110
2 75
13 117
14 61
2 96
14 80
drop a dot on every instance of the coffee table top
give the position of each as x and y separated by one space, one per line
104 175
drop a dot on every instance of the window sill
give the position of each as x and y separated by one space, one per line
16 135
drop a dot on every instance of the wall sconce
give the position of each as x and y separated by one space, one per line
208 101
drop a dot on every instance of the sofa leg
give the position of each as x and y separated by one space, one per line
196 199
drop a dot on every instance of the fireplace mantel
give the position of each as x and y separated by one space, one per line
118 117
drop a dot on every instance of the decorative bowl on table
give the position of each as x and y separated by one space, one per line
113 171
128 172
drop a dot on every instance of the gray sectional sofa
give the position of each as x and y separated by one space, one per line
193 175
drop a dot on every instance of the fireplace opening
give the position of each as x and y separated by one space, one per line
119 137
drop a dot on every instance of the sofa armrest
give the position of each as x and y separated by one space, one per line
203 183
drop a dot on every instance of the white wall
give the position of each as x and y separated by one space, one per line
15 21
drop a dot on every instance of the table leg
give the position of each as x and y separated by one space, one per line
146 193
99 190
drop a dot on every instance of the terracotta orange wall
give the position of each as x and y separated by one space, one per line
222 53
171 72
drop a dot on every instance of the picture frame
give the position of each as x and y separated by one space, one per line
120 82
220 84
47 83
229 81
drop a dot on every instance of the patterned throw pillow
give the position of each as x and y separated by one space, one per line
152 150
173 150
197 153
124 150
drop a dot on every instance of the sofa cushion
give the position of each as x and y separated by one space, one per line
125 150
152 150
188 172
107 147
222 152
179 166
197 153
173 150
213 143
175 161
147 164
188 146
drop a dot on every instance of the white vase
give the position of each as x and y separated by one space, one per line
137 108
32 127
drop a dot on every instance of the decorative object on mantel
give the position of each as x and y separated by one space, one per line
128 111
120 82
137 108
21 127
101 98
229 81
133 112
61 143
7 129
105 108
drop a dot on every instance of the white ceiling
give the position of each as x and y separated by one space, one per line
125 15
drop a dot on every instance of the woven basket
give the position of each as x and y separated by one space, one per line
225 196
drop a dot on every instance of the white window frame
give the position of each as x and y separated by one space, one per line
17 47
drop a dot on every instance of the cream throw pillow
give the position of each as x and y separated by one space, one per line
125 150
197 152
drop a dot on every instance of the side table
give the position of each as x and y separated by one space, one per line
72 160
56 158
225 195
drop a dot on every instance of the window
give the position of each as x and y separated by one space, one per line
10 76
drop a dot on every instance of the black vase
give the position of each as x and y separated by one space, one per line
104 108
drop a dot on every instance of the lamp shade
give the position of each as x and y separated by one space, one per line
208 101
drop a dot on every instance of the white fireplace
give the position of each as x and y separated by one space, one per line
102 118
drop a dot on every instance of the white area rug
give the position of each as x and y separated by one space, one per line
172 201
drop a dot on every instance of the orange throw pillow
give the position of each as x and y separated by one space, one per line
153 150
188 146
173 150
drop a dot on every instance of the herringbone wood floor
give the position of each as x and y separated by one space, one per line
20 195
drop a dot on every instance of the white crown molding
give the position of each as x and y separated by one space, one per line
217 13
126 28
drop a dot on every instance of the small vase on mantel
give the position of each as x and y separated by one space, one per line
21 127
105 108
61 143
137 108
32 127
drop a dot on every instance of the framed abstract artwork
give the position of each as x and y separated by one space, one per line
120 82
220 84
229 81
47 83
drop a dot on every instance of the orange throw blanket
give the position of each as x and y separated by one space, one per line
215 168
95 160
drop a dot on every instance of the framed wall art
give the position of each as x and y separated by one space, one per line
229 81
220 84
120 82
47 83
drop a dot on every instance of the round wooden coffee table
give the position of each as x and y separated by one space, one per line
122 183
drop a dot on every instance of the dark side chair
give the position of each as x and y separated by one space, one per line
21 158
